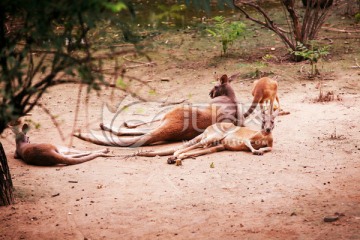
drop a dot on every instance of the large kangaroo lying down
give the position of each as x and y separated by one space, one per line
181 123
44 154
223 136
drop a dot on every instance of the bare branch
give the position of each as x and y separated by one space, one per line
76 114
53 119
268 23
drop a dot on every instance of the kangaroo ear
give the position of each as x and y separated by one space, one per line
233 77
25 128
224 79
14 129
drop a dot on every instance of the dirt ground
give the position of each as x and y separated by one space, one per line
312 172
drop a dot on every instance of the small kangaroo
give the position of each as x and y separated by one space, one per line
265 89
181 123
224 136
44 154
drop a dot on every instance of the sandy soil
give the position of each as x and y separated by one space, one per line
312 172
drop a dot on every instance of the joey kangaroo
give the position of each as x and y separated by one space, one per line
181 123
44 154
265 89
224 136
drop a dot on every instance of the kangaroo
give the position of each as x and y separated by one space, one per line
265 89
224 136
181 123
44 154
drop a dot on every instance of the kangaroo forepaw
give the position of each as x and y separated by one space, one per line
128 125
259 153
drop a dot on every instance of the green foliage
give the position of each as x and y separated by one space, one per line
121 84
357 17
115 7
226 32
170 12
313 54
269 57
152 92
206 4
46 43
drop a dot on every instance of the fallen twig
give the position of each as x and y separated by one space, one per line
329 39
140 65
340 30
356 63
173 103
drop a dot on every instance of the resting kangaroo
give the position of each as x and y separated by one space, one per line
224 136
265 89
44 154
181 123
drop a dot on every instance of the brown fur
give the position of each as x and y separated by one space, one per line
224 136
172 127
44 154
264 90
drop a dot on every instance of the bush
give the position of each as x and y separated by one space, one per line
226 32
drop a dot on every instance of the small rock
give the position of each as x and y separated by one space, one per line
331 218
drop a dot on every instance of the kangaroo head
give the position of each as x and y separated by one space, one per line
20 136
268 121
222 89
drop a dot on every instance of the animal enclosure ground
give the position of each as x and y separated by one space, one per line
312 172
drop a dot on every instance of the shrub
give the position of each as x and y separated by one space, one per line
226 32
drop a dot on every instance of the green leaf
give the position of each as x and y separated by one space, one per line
152 92
115 7
211 32
120 83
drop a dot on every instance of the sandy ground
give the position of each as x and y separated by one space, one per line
312 172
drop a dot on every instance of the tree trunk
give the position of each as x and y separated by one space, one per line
6 186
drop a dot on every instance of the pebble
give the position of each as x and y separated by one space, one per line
331 218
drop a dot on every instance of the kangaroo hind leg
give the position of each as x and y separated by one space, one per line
169 151
200 152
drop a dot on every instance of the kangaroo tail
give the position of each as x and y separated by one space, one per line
72 161
252 108
113 140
